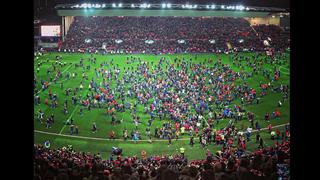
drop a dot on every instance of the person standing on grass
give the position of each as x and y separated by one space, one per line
177 135
270 128
111 135
258 137
48 123
125 134
191 141
40 115
38 100
258 126
113 120
169 139
77 130
260 143
81 111
94 128
135 137
71 129
65 111
248 133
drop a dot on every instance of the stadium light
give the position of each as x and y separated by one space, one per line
149 5
113 5
195 6
168 5
120 5
163 5
103 5
247 8
132 5
207 6
240 7
213 6
222 7
183 6
84 5
144 5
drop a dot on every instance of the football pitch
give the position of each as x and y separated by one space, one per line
59 133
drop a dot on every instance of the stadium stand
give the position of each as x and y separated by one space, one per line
171 35
65 163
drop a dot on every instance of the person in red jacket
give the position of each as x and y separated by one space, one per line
278 133
111 135
270 128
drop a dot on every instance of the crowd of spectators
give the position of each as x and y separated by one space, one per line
274 34
196 34
65 163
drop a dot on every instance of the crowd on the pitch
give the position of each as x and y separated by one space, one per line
65 163
170 35
194 96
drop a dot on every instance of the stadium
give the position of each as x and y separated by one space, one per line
161 90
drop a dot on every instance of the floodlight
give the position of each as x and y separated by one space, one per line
183 6
103 5
222 7
213 6
120 5
168 5
247 8
144 5
85 5
240 7
163 5
207 6
113 5
132 5
195 6
148 5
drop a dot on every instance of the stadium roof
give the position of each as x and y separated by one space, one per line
165 6
165 9
259 3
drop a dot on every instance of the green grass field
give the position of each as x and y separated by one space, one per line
59 133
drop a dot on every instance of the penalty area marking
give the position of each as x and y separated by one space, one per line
107 139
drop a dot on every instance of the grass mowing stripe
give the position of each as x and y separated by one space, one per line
281 67
108 139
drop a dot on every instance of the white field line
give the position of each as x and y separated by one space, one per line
71 115
69 118
107 139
